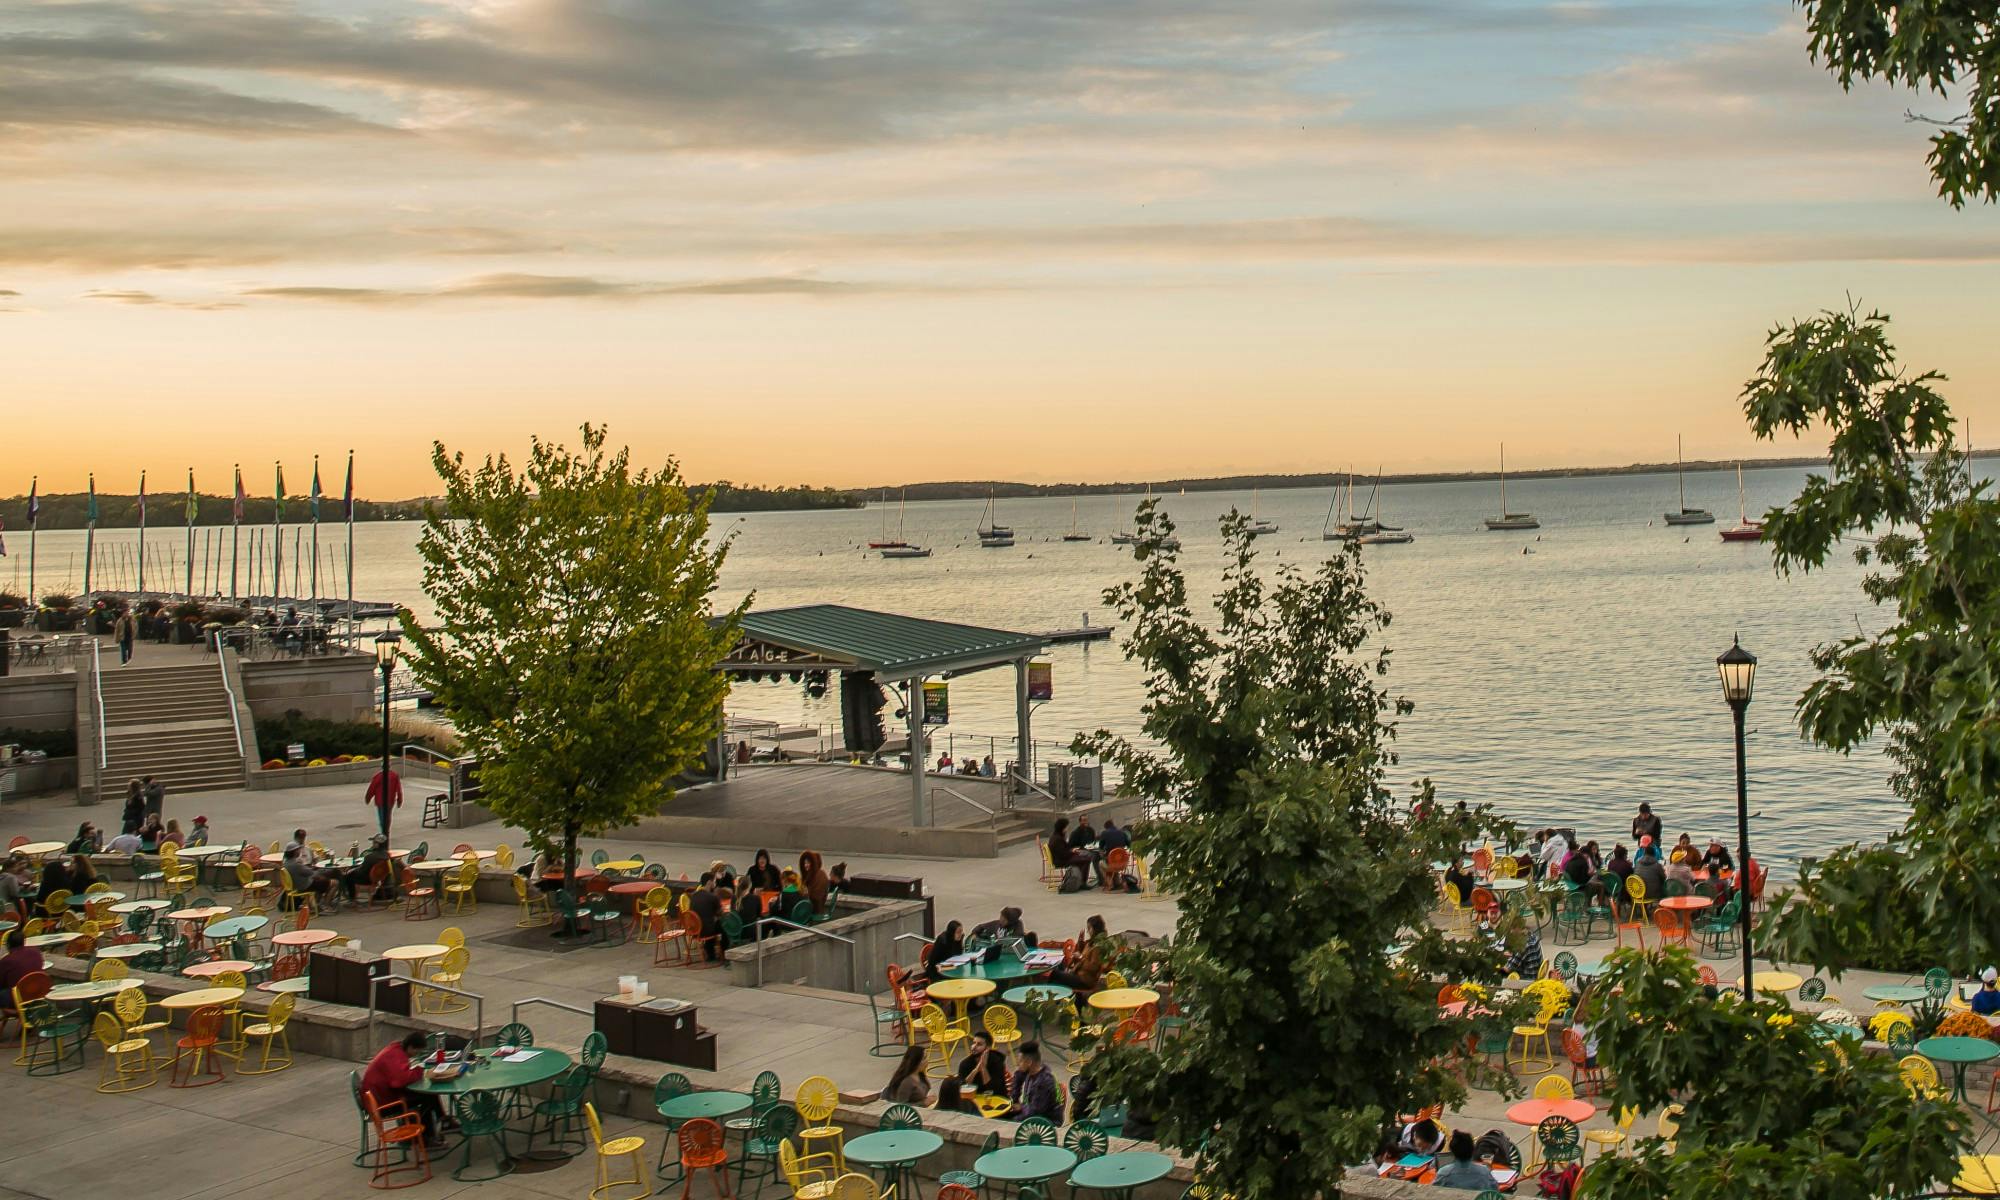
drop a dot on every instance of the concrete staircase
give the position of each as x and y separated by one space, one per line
173 723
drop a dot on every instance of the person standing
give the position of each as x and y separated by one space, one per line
156 796
1646 825
135 806
125 630
385 795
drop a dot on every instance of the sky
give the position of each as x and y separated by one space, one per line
858 242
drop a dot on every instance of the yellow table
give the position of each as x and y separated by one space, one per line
39 849
621 864
1775 983
415 955
1123 999
91 989
960 991
202 998
1979 1174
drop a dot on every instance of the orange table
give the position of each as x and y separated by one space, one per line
210 970
1533 1112
301 941
1684 908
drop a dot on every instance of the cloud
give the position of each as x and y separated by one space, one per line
41 103
150 300
518 286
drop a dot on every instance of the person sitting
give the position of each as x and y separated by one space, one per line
1526 960
1064 852
763 876
1092 946
124 843
1422 1136
1555 849
86 840
984 1070
705 904
1387 1152
1009 925
82 873
1577 872
947 945
1459 877
1462 1170
55 878
1113 838
151 832
1684 852
909 1085
951 1098
1678 869
389 1076
20 961
173 834
1647 870
812 880
198 834
16 882
1084 836
364 871
1033 1087
1986 1001
298 868
1717 859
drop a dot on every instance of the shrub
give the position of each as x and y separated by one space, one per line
56 743
188 610
12 599
60 601
274 764
324 739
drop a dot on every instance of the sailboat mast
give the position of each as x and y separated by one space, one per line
901 500
1742 513
1680 472
1503 479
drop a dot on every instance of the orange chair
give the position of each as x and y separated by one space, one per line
670 942
1633 921
1707 975
702 1149
691 926
1482 862
1585 1080
419 901
1673 926
1449 994
196 1047
1116 864
397 1127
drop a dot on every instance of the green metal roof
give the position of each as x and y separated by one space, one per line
890 644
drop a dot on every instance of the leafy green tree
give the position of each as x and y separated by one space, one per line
574 647
1297 871
1770 1112
1926 683
1929 45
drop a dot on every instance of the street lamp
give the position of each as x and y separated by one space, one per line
387 645
1738 669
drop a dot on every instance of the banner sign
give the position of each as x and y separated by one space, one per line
1041 680
937 702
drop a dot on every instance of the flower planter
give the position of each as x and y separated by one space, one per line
13 618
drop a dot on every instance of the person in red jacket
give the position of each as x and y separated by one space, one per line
390 1074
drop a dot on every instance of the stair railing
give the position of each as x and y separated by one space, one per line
235 722
97 687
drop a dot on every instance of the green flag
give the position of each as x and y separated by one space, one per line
315 490
281 492
93 500
193 506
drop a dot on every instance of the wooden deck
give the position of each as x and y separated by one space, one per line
832 794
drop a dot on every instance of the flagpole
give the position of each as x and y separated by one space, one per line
34 521
90 536
349 493
140 587
315 512
278 538
235 528
190 534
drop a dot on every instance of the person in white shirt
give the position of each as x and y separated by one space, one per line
1555 848
124 843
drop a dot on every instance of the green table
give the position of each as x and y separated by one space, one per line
297 983
1025 1164
1117 1174
1029 993
1897 993
1007 966
229 927
895 1154
1958 1053
711 1106
85 899
496 1076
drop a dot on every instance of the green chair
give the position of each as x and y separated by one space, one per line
970 1178
479 1115
1675 888
60 1032
1813 989
598 858
577 918
759 1158
1573 917
607 915
802 913
1086 1140
765 1093
1111 1117
891 1019
559 1119
672 1086
1564 965
514 1033
1718 933
732 930
1937 984
1036 1131
1559 1140
900 1116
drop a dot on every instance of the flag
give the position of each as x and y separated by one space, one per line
347 493
91 514
142 498
236 509
315 490
281 491
34 500
192 505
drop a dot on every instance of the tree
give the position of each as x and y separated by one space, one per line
574 647
1926 682
1771 1112
1933 45
1297 872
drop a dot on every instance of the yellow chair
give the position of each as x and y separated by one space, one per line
503 857
108 969
96 888
451 937
1115 979
450 973
1635 892
1143 870
231 1039
290 896
36 927
941 1037
461 890
272 1031
120 1073
808 1181
816 1100
1921 1077
624 1147
56 904
131 1005
859 1187
1506 867
175 875
1051 878
1612 1141
1003 1026
1457 916
652 910
535 908
1554 1087
254 889
1535 1031
1670 1125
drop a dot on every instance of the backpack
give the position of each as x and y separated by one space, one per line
1558 1183
1074 879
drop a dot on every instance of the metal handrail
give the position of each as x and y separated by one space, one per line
853 968
222 664
1029 785
478 1002
97 685
425 754
992 818
514 1014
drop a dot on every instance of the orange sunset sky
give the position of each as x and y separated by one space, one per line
860 244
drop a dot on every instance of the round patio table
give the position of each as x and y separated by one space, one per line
492 1075
1117 1174
712 1106
210 970
200 914
1002 969
1124 999
1896 993
1504 889
629 894
1774 983
8 926
1533 1112
201 998
301 941
38 849
91 989
84 899
894 1153
1030 993
1978 1174
128 950
298 983
960 991
415 955
620 864
132 906
43 941
230 927
1958 1053
199 855
1025 1164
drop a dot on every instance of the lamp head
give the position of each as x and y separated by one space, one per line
387 645
1738 670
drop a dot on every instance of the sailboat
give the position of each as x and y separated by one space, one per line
1126 537
887 542
991 533
1074 534
1686 515
1383 535
1745 529
1258 527
900 548
1509 520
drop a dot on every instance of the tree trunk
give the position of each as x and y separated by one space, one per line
569 867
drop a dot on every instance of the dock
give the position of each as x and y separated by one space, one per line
1082 633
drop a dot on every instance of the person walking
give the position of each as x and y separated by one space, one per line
125 629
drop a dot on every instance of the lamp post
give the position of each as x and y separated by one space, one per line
1738 669
387 645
